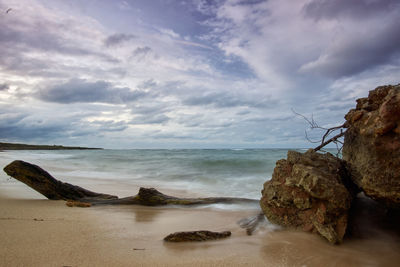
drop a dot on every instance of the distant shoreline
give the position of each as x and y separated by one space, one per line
16 146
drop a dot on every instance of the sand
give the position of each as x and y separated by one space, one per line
38 232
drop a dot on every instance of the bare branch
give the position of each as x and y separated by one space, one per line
309 140
328 131
333 139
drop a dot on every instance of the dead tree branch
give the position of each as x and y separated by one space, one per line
41 181
328 132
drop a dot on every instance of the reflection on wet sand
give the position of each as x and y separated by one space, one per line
373 240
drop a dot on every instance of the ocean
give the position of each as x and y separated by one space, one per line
199 172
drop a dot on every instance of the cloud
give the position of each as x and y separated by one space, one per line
117 39
109 125
141 52
45 34
333 38
150 119
355 9
228 100
4 86
22 126
183 73
367 42
83 91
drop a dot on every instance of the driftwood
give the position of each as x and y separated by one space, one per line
41 181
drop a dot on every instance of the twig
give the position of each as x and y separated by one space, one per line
333 139
328 131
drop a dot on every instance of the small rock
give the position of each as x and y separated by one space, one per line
196 236
73 203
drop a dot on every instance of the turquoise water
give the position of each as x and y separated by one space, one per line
208 172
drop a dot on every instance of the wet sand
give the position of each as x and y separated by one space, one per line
38 232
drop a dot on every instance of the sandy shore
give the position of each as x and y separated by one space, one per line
39 232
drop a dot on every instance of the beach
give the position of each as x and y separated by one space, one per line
40 232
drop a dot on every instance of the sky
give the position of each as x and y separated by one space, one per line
189 74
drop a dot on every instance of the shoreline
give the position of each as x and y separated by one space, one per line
41 232
20 146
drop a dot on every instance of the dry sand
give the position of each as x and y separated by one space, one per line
39 232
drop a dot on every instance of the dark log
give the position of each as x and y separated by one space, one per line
40 180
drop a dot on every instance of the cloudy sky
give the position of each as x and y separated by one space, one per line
189 73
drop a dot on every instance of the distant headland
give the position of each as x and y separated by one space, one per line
16 146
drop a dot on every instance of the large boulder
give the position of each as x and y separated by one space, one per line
309 191
372 144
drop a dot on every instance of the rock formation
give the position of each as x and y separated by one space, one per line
372 144
308 191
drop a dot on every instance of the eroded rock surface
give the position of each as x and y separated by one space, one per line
372 144
308 191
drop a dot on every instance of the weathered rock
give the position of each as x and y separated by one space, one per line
196 236
372 144
308 191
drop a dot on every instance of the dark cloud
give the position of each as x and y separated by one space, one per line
148 84
82 91
141 52
117 39
109 126
359 53
28 44
356 49
20 127
42 36
227 100
150 119
359 9
177 136
4 86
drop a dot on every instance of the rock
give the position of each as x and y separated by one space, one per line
75 203
309 191
196 236
372 144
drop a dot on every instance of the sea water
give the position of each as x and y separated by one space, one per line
204 172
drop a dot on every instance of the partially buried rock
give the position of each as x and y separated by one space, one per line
73 203
307 191
196 236
372 144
